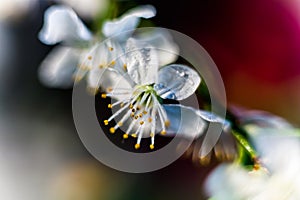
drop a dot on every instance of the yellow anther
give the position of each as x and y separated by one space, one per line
122 105
77 78
130 106
167 123
125 67
101 66
141 122
145 112
109 106
103 96
90 57
163 132
150 119
105 122
133 135
111 49
120 124
109 89
137 146
141 115
133 110
151 134
138 107
132 114
112 63
151 146
136 117
112 130
125 136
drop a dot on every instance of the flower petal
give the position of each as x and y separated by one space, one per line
184 121
161 40
61 24
127 22
177 82
142 63
211 117
119 84
58 67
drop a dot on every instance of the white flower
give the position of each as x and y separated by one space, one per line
62 25
139 93
279 150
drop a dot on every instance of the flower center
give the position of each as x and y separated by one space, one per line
142 113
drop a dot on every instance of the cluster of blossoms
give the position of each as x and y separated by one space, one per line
137 71
129 67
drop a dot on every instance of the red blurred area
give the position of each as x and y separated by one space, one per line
255 44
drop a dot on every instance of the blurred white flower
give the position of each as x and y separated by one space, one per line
87 8
279 150
14 9
63 25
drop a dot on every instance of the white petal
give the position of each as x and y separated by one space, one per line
128 22
161 40
264 120
117 82
104 54
93 77
61 24
184 121
142 63
211 117
177 82
59 66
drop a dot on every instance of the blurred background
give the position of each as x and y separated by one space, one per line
255 44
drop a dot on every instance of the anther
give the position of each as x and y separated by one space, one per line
112 63
141 115
90 57
109 89
136 117
163 132
125 67
112 130
111 49
145 112
105 122
130 106
125 136
120 124
141 122
149 119
167 123
109 106
133 135
152 135
151 146
103 96
137 146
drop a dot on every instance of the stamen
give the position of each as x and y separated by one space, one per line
90 57
125 136
103 96
134 135
112 63
137 146
109 106
125 67
163 132
151 146
141 122
112 130
111 49
105 122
